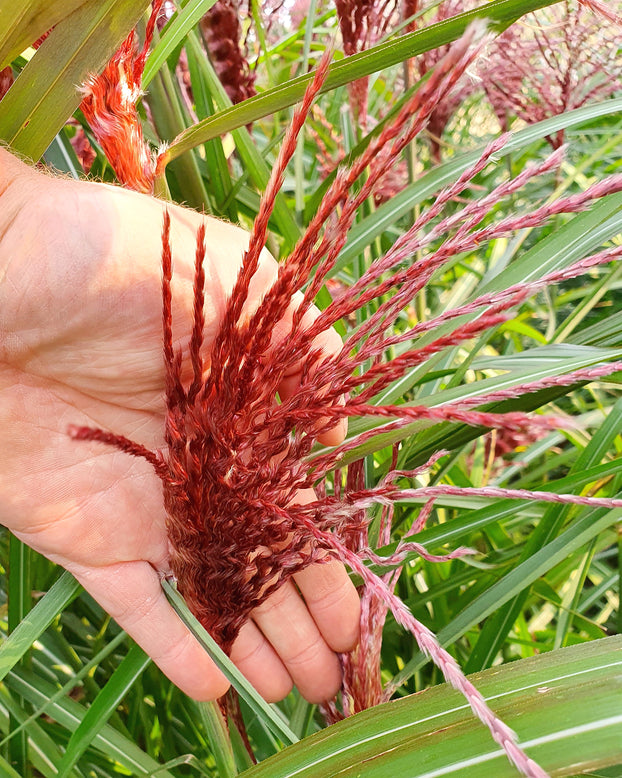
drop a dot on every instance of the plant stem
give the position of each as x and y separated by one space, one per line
260 707
19 605
218 737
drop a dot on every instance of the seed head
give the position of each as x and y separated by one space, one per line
222 32
558 59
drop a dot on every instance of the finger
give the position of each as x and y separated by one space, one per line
333 602
12 168
287 624
132 595
330 596
260 664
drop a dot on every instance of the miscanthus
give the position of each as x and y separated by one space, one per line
234 459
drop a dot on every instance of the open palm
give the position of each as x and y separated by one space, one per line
80 343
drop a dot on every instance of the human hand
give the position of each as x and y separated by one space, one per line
81 344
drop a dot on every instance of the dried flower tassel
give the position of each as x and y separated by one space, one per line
222 33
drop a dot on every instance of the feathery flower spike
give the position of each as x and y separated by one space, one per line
109 106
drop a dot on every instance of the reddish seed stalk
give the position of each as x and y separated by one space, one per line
427 61
6 80
361 23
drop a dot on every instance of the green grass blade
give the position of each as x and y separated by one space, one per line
19 582
69 714
73 682
187 760
61 156
7 770
46 92
495 631
607 332
571 597
39 619
22 23
385 216
587 305
565 706
384 55
215 158
577 238
42 753
247 692
521 576
557 361
19 604
457 530
254 164
169 119
102 708
173 34
218 737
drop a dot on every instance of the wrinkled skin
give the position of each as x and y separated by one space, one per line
80 343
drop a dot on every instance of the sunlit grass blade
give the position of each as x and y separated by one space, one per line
173 34
565 707
229 670
22 23
386 215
